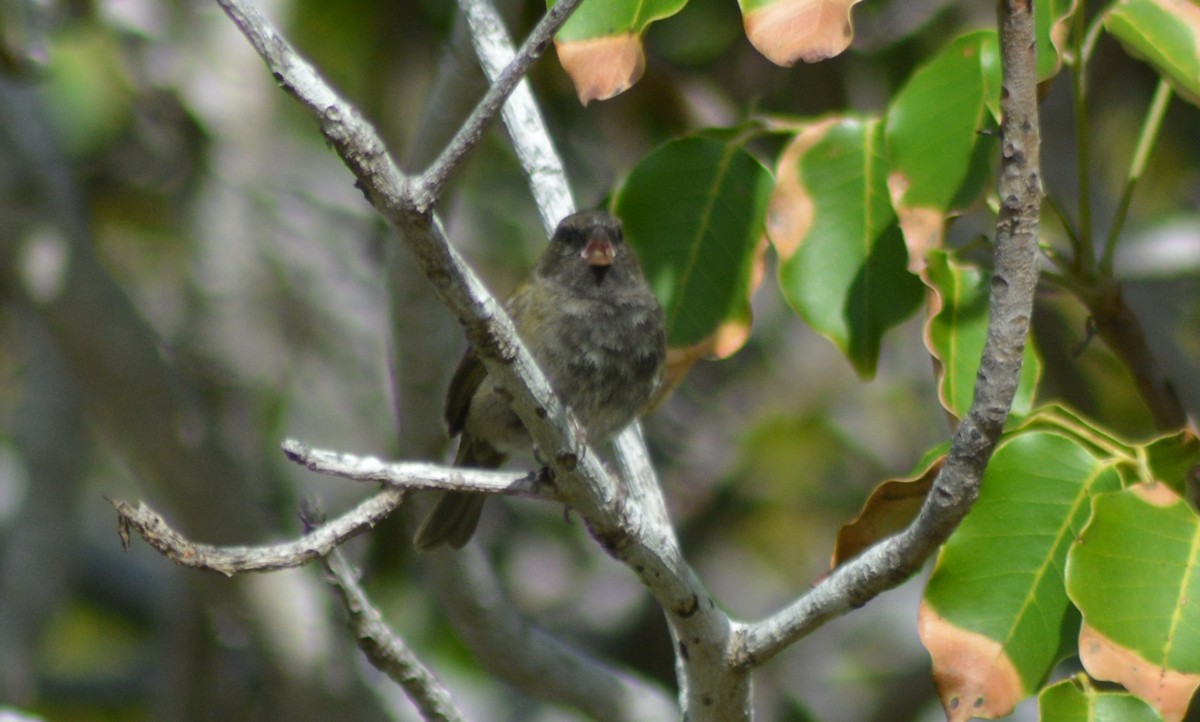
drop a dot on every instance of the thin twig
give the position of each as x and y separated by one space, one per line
355 140
1090 36
231 560
471 132
1067 226
1085 258
526 128
387 651
413 475
1141 154
1091 280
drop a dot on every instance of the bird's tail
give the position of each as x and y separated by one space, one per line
456 514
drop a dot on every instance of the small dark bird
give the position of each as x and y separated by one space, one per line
596 331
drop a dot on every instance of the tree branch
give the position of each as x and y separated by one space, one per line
412 476
892 561
233 560
383 648
526 128
148 409
505 642
548 182
342 125
388 652
503 84
488 327
710 690
561 673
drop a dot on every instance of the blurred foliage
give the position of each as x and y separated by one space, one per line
239 237
88 93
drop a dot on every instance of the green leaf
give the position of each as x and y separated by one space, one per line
842 258
89 96
1164 33
601 18
1133 575
1097 438
995 611
1172 459
1076 700
693 209
939 158
600 46
1052 27
956 332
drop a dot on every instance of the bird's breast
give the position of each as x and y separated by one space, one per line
604 360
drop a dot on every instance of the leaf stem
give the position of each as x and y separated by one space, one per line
1066 419
1090 37
1141 154
1067 226
1082 242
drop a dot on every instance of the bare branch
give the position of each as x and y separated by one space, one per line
387 651
548 182
472 130
411 476
233 560
355 140
641 480
889 563
710 689
504 641
487 326
530 138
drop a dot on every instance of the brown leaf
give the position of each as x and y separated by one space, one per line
808 30
1166 690
1156 494
924 228
790 211
1060 34
891 507
974 676
723 343
602 68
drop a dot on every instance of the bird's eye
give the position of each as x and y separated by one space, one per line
574 239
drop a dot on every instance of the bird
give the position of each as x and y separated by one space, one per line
595 329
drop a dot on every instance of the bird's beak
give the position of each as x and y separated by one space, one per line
599 252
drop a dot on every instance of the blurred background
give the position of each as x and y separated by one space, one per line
188 276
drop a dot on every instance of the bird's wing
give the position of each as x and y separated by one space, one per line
471 371
466 380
